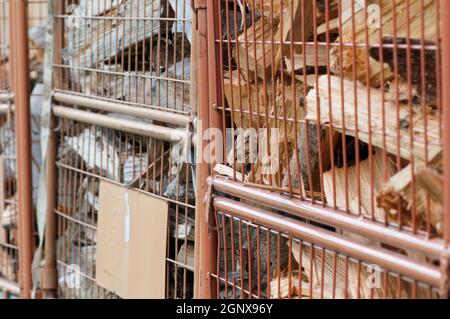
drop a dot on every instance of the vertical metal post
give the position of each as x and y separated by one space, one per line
215 90
194 105
445 26
445 15
207 240
49 272
20 83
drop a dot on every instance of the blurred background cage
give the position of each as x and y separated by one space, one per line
121 113
333 164
9 258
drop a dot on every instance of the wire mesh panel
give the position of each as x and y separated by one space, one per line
125 64
264 260
336 104
134 51
9 215
342 98
8 229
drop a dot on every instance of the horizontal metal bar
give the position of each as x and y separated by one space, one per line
6 97
5 108
85 173
9 286
392 261
433 248
141 112
150 130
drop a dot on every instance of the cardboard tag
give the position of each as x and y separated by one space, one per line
131 243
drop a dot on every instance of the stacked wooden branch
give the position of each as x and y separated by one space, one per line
133 161
139 52
326 275
353 92
136 51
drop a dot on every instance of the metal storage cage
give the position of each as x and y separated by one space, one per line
317 168
330 183
9 226
121 112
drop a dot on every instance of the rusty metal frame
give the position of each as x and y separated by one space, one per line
145 113
72 106
445 12
327 239
435 248
445 9
149 130
16 101
20 83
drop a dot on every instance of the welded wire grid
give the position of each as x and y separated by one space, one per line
336 103
136 52
343 100
256 261
8 209
9 221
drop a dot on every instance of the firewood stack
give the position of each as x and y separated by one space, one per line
137 60
353 89
135 51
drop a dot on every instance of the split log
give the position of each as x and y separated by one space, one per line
347 7
183 13
186 254
266 7
432 183
244 99
314 157
98 150
8 265
260 55
313 257
101 82
10 215
182 225
103 40
343 185
411 67
423 198
172 89
293 287
292 28
277 144
395 23
227 171
244 151
97 8
233 15
351 279
315 57
134 166
168 90
264 57
396 119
